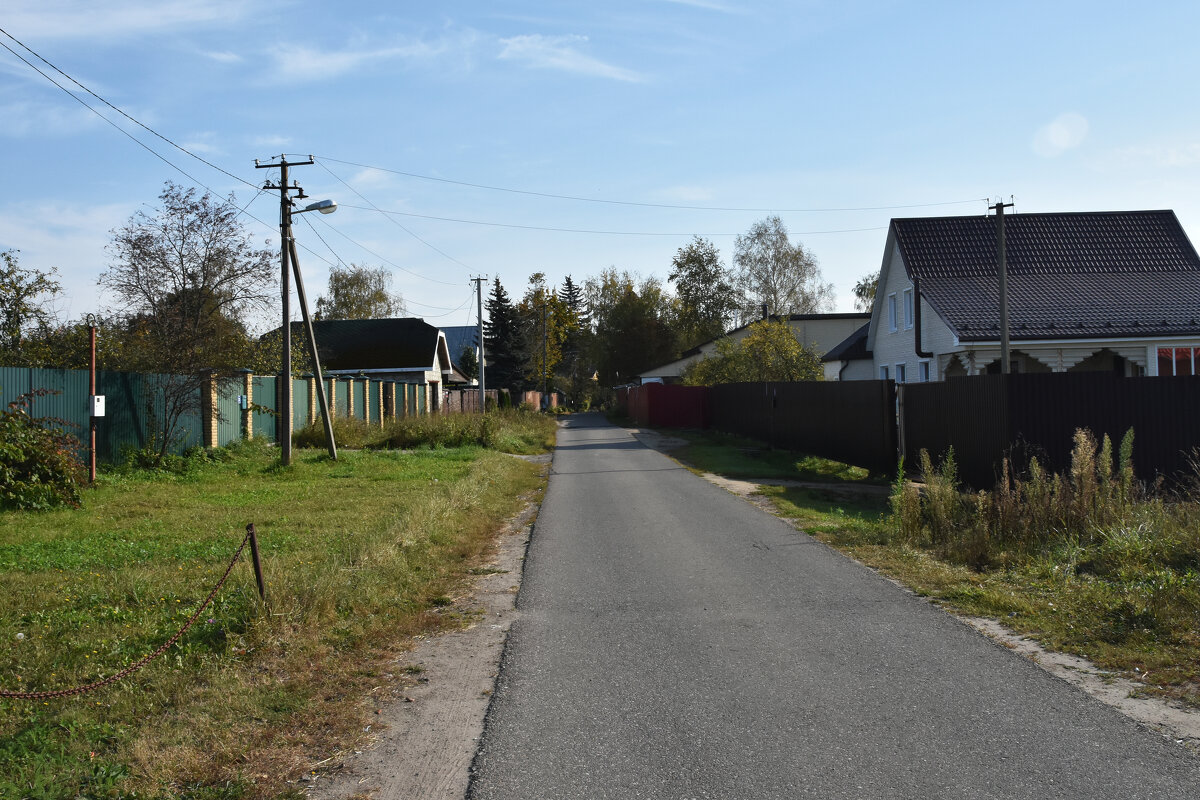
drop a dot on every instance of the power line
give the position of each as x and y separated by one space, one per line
586 230
179 147
645 205
393 221
385 260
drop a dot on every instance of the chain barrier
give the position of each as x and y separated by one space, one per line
134 667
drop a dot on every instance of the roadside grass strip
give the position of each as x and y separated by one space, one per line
359 556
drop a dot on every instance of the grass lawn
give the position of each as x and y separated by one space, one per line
1139 616
736 457
359 554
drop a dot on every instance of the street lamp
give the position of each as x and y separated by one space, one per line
324 206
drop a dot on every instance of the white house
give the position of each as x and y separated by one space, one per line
819 332
1093 291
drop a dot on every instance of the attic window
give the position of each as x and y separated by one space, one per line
908 308
892 326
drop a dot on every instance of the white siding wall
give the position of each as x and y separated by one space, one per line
899 346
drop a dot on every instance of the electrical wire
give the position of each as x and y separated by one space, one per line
145 127
393 221
385 260
643 205
586 230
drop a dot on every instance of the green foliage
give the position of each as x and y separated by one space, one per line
773 271
708 298
633 323
468 363
356 554
25 317
768 352
39 466
359 292
504 337
521 431
864 292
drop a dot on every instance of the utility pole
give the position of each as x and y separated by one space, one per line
1002 270
481 365
284 424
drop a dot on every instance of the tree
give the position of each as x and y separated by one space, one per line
576 376
25 294
708 298
770 351
632 325
186 277
359 292
546 322
775 272
864 291
504 337
468 363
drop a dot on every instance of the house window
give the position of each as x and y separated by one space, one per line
908 308
923 371
883 373
901 373
892 313
1178 360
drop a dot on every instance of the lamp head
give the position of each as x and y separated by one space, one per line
324 206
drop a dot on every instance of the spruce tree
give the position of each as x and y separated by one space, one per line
505 341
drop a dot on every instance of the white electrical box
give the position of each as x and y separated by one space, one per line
96 403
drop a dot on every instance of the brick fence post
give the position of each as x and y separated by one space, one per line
247 418
208 410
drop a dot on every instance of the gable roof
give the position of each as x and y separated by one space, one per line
350 344
461 337
852 348
1070 275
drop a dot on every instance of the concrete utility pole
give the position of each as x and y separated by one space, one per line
482 380
1002 271
288 248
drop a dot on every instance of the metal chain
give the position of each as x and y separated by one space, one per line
5 694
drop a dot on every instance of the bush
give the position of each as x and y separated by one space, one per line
39 463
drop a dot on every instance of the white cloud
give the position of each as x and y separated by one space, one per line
203 143
708 5
370 178
298 64
224 57
23 118
558 52
115 19
1064 132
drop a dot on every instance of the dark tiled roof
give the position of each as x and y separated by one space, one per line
852 348
373 343
1079 275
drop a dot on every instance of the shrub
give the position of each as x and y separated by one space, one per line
39 463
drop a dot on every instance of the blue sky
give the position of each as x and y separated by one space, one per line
796 107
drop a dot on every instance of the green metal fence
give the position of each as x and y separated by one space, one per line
134 406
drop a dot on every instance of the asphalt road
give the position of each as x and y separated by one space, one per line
675 642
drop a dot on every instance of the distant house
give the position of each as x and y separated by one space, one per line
406 350
819 332
460 338
1094 291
